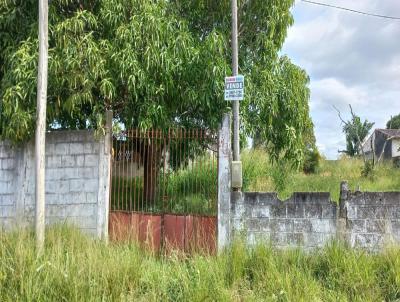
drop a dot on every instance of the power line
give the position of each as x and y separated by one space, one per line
351 10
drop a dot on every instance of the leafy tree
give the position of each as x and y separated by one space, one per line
275 111
155 63
130 56
356 132
394 122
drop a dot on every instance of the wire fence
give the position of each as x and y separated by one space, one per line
172 171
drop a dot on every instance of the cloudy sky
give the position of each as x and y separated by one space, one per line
351 59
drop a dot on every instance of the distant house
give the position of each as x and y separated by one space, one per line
385 143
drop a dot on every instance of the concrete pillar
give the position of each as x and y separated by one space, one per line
344 194
224 183
22 159
103 200
341 217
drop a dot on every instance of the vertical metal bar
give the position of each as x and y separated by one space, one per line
131 170
164 170
145 160
179 143
110 197
159 167
113 186
189 162
196 168
201 172
149 150
126 178
135 165
124 200
192 172
152 167
211 197
215 167
170 159
119 173
141 163
152 170
156 172
185 159
210 159
176 156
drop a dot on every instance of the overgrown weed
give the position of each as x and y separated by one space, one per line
259 176
77 268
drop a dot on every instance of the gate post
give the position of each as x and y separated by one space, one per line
103 204
224 183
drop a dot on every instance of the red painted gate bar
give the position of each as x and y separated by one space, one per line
186 233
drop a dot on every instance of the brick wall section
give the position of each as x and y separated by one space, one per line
305 219
74 170
372 219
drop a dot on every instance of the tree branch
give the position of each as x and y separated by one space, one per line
359 147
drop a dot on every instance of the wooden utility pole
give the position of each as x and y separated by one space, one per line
41 125
235 70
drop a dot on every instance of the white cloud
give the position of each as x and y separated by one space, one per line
351 59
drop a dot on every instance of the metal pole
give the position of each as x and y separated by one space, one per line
41 125
235 68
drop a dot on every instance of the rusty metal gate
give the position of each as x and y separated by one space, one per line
164 188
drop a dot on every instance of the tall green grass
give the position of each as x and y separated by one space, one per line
260 175
77 268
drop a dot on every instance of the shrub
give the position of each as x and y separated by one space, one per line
368 169
311 161
396 162
255 166
281 174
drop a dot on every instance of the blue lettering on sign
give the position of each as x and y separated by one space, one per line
234 88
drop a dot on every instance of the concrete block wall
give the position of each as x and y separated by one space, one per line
372 219
305 219
367 220
77 173
7 185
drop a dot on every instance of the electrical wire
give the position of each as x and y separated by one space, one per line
351 10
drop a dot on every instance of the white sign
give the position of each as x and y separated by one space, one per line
234 88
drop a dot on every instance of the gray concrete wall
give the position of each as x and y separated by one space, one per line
8 177
77 173
305 219
367 220
372 219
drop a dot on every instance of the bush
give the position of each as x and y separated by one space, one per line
396 162
368 170
255 166
281 174
311 161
